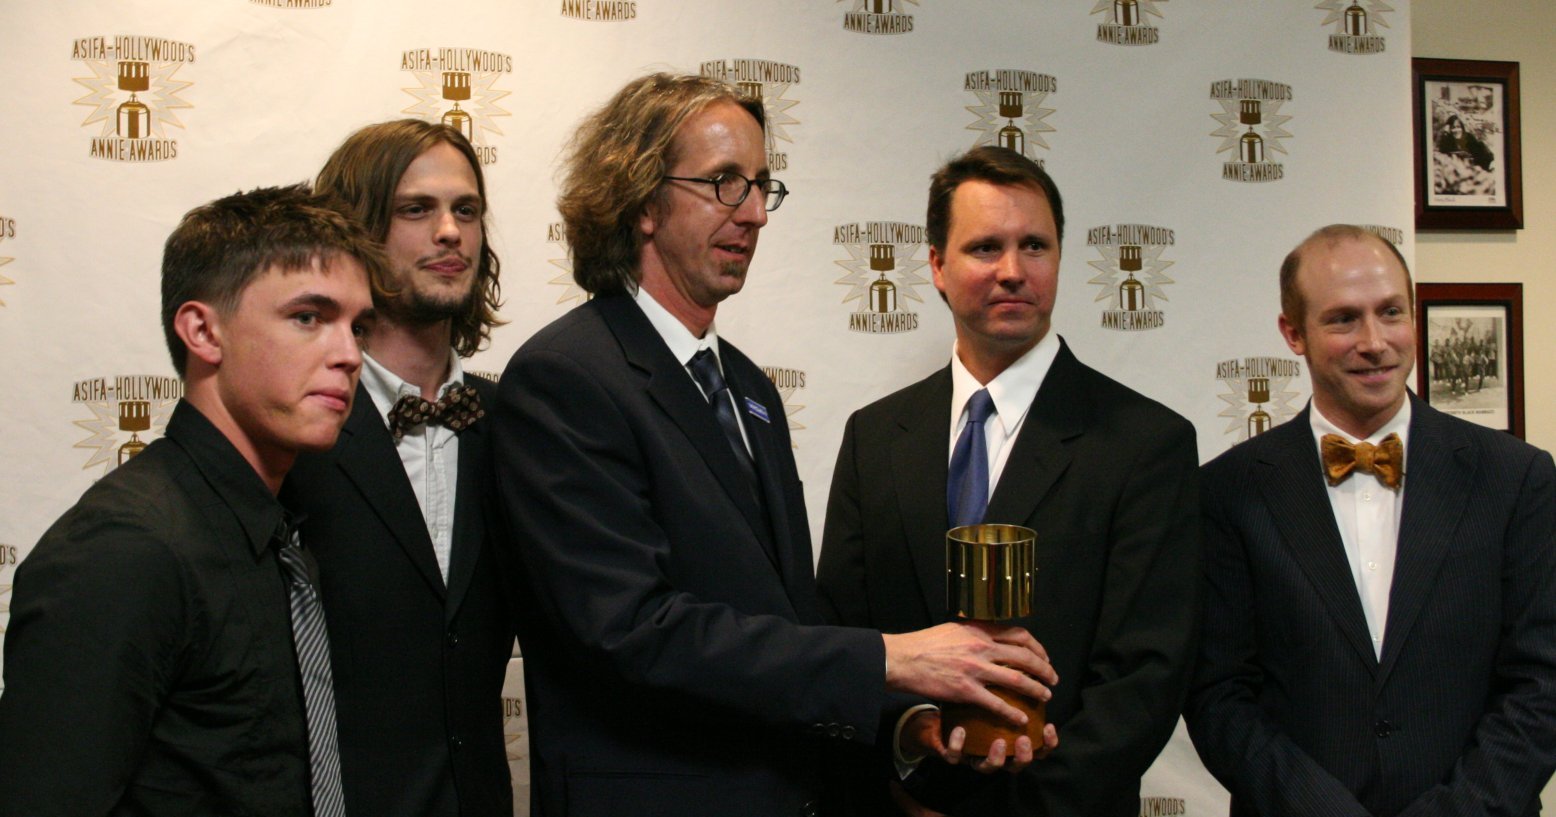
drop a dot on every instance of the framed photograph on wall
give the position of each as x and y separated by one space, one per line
1470 359
1468 163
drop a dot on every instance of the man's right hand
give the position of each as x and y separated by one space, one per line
954 662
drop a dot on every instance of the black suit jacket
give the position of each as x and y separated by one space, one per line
674 655
1107 478
149 666
418 665
1292 710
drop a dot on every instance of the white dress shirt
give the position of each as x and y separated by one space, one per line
430 453
1013 391
1367 513
684 345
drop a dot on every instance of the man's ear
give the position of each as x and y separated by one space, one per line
198 324
1293 335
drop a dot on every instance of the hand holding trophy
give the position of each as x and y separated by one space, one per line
989 577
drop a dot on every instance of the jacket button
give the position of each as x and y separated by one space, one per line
455 743
811 809
848 733
1383 728
453 638
832 730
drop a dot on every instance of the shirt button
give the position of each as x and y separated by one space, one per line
1367 497
1372 565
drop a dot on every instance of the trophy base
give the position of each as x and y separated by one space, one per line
984 727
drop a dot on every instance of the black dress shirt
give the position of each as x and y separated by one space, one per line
149 665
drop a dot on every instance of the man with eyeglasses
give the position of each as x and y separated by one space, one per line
675 657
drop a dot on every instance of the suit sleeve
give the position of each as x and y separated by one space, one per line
1248 752
1513 751
1145 635
840 573
97 622
576 485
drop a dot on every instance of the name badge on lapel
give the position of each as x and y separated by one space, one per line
757 410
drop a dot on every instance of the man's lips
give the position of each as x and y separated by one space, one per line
447 266
1374 372
335 399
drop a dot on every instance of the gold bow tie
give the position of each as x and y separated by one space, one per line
458 408
1342 457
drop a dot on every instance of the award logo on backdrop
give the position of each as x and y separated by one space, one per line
882 274
768 81
1010 109
133 95
459 87
1392 235
1253 104
1126 22
788 381
878 16
7 233
1356 25
1257 398
8 559
513 727
1162 806
571 291
600 11
293 4
1131 274
128 412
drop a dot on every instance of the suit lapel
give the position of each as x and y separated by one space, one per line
365 452
469 534
1290 479
919 472
674 391
766 450
1038 458
1440 468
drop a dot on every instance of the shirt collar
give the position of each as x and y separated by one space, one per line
386 388
231 476
1013 389
683 344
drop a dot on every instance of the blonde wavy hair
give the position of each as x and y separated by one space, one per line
614 169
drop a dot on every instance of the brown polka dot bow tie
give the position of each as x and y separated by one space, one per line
458 408
1342 458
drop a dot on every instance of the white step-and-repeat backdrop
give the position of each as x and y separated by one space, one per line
1195 142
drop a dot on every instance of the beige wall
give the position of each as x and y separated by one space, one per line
1517 31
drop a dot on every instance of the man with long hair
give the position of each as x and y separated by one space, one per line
420 632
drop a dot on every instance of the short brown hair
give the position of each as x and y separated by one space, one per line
364 172
219 248
616 164
995 165
1291 303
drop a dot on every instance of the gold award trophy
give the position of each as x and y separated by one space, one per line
988 577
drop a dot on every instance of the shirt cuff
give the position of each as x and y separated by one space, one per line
906 765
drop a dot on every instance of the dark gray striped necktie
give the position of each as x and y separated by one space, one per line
312 642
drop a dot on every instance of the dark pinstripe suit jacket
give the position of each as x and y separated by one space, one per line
1290 708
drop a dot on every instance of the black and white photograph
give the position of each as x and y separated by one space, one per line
1470 362
1467 143
1468 161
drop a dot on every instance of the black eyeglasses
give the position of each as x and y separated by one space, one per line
731 189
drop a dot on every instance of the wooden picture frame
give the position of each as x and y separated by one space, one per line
1470 357
1468 156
